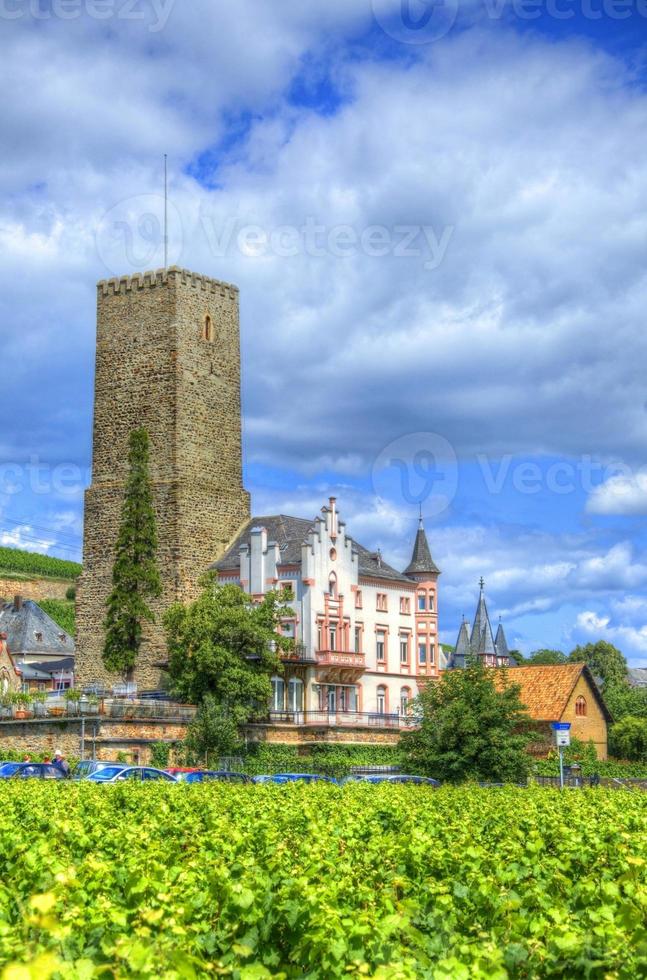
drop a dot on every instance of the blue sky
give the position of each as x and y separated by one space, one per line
437 216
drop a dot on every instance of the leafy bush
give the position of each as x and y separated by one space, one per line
320 882
628 739
62 612
160 754
327 759
43 566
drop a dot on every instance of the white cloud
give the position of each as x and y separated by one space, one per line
622 495
591 627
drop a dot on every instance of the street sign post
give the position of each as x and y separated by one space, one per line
562 731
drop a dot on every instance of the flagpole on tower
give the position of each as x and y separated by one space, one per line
165 211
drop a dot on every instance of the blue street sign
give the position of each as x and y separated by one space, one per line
560 726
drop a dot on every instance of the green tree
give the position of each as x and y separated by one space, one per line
604 661
213 732
622 700
517 656
226 647
472 726
135 575
546 657
628 739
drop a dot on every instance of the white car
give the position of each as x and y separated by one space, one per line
118 774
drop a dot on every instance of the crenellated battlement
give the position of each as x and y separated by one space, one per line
161 277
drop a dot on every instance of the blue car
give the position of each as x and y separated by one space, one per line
30 770
118 774
294 777
216 775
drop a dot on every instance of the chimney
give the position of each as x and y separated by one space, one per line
17 603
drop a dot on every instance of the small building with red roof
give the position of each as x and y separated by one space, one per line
566 693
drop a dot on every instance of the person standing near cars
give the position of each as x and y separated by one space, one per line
61 763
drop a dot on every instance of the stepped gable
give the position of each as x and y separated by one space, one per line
290 534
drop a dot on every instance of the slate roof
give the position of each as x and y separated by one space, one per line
421 560
290 533
482 640
501 644
22 624
546 690
462 649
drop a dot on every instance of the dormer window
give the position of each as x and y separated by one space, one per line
62 637
39 637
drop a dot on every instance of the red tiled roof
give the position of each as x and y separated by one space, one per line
546 690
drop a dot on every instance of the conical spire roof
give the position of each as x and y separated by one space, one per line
482 638
462 649
501 643
421 560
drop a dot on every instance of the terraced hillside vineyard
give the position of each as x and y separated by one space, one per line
319 881
28 563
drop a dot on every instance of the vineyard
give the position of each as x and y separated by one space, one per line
317 881
26 563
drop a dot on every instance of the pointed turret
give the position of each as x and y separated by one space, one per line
482 638
501 645
421 561
462 650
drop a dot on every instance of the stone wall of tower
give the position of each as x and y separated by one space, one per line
155 367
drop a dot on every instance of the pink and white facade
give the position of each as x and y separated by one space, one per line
366 635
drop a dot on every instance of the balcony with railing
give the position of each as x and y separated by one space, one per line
343 719
339 666
299 654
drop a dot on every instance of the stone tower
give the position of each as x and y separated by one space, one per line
168 359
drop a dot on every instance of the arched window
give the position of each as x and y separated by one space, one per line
580 707
278 694
207 330
405 697
332 586
381 700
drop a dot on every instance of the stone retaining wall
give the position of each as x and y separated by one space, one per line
36 588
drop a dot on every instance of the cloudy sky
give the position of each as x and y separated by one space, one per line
437 217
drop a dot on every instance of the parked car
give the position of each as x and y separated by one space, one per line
397 778
206 775
87 766
119 773
30 770
294 777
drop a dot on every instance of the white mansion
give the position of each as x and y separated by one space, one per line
366 635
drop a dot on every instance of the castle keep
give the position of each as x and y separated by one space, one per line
168 359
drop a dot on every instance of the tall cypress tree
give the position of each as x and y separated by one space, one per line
135 575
